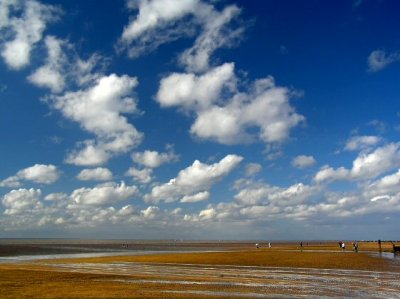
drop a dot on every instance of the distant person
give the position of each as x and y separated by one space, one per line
301 244
269 244
355 245
343 246
380 245
340 244
257 245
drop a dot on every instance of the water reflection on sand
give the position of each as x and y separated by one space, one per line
252 281
229 281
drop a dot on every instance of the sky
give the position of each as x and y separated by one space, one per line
195 119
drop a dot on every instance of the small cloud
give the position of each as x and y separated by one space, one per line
252 169
361 142
379 59
38 173
303 161
154 159
95 174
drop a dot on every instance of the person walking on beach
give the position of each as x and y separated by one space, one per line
355 246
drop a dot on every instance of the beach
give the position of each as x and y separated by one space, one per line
186 269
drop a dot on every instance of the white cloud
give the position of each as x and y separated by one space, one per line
150 212
98 109
201 196
95 174
265 107
257 194
38 173
195 92
196 178
389 184
303 161
227 117
27 30
103 194
141 175
155 13
377 162
365 166
50 75
154 159
361 142
254 194
5 7
162 21
207 214
379 59
21 201
327 173
59 196
11 182
252 169
216 34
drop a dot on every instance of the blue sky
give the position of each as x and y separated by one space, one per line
200 119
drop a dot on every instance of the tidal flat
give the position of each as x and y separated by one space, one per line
179 269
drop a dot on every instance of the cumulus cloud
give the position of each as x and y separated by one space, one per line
95 174
377 162
98 109
51 75
196 178
389 184
207 213
193 92
257 194
150 212
327 173
379 59
160 21
361 142
303 161
25 29
21 201
265 106
103 194
154 159
365 166
11 182
141 175
55 197
38 173
201 196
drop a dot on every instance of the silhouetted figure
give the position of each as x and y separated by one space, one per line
380 245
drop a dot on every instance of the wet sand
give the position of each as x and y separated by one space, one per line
144 269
